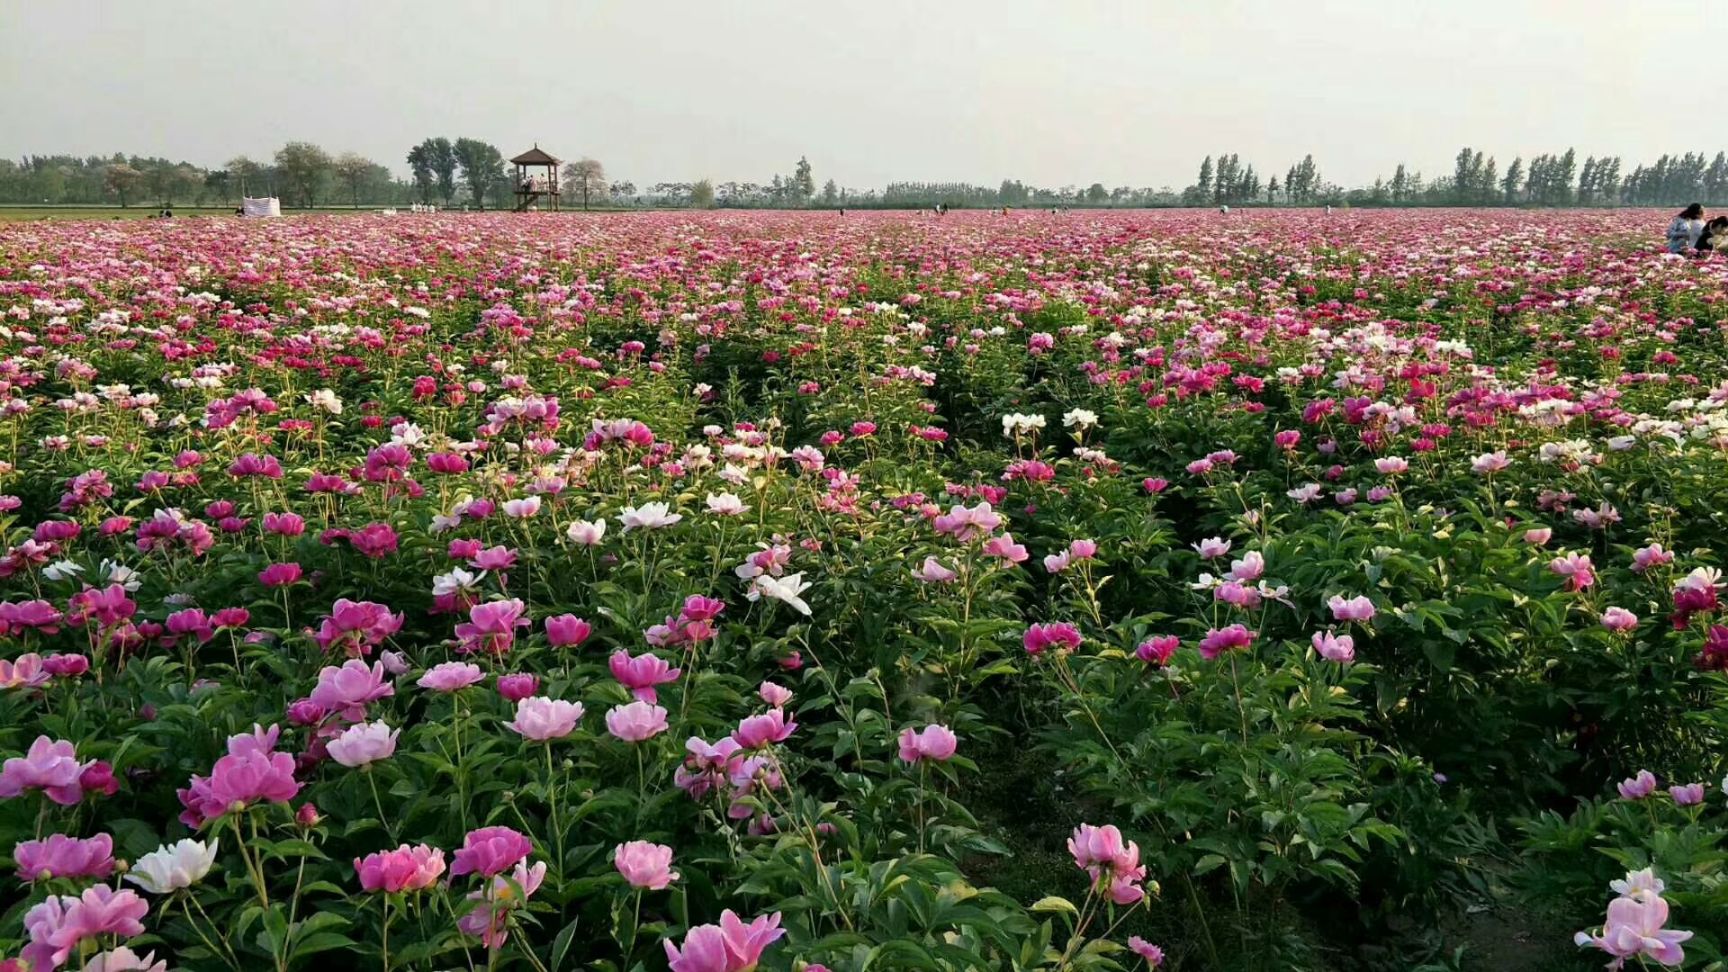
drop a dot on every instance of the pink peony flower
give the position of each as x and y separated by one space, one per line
1638 787
1577 570
1358 608
935 742
50 766
636 722
406 868
641 673
60 856
491 627
1059 635
490 919
1220 640
350 688
1158 649
58 925
490 850
1338 648
541 719
1618 619
518 685
731 946
451 677
757 731
363 744
567 631
644 865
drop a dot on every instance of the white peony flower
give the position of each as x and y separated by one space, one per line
784 589
725 504
648 516
173 867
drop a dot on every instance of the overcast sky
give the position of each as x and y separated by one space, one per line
1066 91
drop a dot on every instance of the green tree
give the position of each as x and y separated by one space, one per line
304 168
246 173
482 166
803 181
830 193
1204 181
1513 180
354 169
441 155
218 182
420 164
702 195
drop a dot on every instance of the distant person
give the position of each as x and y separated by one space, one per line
1224 210
1684 231
167 213
1713 237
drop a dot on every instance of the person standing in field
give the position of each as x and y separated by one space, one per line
1684 231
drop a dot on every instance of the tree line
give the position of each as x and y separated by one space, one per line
472 172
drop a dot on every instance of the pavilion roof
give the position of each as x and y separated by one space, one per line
535 156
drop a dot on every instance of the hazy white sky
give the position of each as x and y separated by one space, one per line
1048 91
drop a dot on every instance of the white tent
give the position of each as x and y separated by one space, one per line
267 206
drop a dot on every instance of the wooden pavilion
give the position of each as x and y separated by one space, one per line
530 187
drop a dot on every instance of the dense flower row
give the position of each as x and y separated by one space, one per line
673 575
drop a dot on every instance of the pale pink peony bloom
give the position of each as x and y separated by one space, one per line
636 722
363 744
644 865
541 719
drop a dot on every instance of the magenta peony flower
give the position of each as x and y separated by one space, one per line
280 575
518 685
406 868
356 627
491 627
1158 649
567 631
757 731
1220 640
641 673
1059 635
490 850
